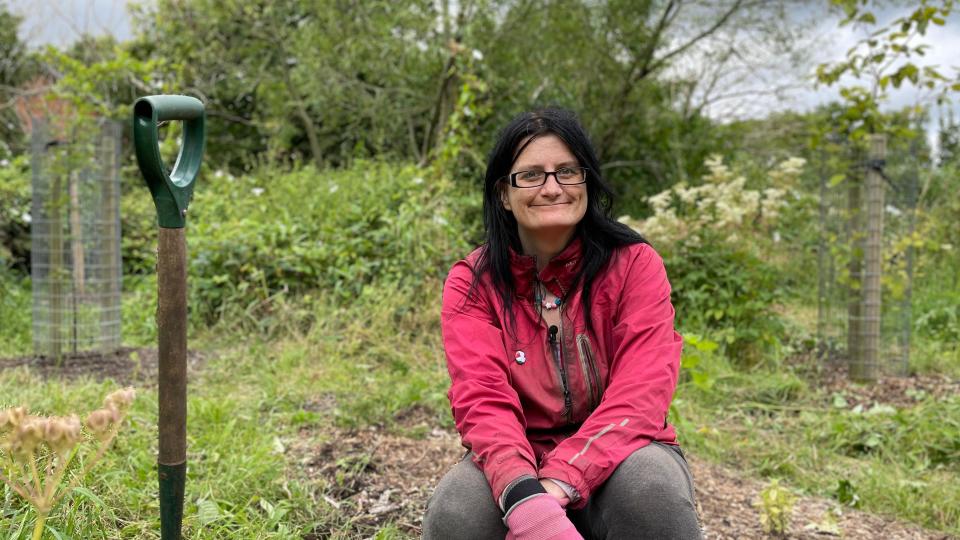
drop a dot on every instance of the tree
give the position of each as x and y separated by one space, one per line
320 80
948 141
15 69
883 59
324 81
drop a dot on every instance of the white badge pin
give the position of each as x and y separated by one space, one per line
521 357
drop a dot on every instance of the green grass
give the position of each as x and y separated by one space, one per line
324 364
368 361
772 423
139 324
363 364
232 455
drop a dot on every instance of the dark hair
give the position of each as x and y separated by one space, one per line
599 233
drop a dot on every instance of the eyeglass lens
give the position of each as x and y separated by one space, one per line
566 175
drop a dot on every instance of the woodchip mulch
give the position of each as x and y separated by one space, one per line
375 476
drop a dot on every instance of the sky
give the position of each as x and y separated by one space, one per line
943 54
60 22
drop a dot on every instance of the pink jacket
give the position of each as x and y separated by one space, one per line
507 392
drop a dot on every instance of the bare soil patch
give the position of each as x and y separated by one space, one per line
375 476
888 390
125 366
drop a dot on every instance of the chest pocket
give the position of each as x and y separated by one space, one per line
591 371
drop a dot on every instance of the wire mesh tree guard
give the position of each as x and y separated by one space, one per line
75 238
867 217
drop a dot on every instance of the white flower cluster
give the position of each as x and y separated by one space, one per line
721 203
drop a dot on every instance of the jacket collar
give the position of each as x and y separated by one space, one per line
558 275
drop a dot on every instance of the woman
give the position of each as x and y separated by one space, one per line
562 356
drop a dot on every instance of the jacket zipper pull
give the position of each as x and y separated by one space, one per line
567 399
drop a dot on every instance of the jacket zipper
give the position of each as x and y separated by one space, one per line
555 347
589 367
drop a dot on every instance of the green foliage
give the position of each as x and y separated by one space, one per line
940 319
317 81
729 293
102 78
697 363
779 423
847 494
125 502
14 212
329 82
948 153
16 67
913 435
255 239
458 153
886 58
139 325
715 239
15 306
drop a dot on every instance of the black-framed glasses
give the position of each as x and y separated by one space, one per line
565 176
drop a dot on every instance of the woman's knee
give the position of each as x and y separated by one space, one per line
651 491
463 507
654 471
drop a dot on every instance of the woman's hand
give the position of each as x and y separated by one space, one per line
540 517
556 491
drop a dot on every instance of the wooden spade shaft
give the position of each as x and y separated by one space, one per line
172 330
172 191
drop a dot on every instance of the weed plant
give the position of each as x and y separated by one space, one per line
46 458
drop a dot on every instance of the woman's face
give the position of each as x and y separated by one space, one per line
552 209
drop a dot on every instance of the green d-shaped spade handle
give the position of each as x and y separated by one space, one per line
171 192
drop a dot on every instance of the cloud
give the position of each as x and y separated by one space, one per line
61 22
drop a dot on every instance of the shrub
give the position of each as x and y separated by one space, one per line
14 212
256 238
728 292
709 237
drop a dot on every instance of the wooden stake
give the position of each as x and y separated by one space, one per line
868 369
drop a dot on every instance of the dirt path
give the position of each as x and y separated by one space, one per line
374 477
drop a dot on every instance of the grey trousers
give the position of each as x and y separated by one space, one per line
650 495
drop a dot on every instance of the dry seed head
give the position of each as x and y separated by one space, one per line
120 399
52 430
12 417
28 434
62 434
72 426
99 420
